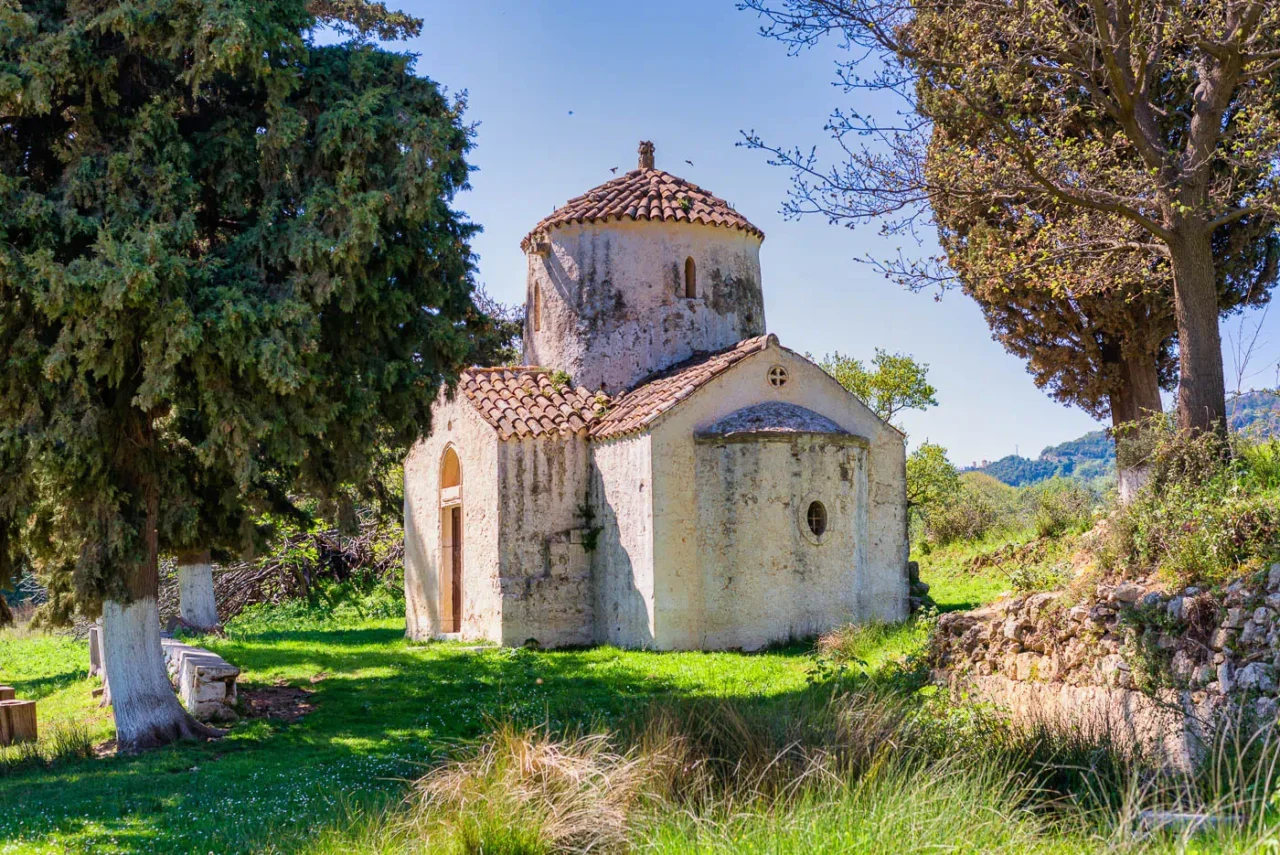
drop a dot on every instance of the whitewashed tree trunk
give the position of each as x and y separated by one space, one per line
1131 480
198 606
146 710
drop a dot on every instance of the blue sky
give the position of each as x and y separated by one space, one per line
563 91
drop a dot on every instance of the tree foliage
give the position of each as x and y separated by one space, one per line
894 382
229 268
1153 121
931 478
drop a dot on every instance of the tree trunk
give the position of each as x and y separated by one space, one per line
198 605
1137 398
147 711
1202 394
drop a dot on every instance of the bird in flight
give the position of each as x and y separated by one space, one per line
690 162
614 170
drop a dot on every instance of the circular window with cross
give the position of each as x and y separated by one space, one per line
777 376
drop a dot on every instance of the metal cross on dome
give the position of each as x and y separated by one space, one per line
777 376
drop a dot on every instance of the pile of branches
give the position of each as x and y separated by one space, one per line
295 566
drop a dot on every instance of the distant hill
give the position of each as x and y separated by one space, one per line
1094 454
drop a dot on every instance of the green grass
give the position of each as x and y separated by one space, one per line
955 587
54 671
384 711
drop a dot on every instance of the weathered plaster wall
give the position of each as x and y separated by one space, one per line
545 568
683 587
454 423
764 575
622 495
612 304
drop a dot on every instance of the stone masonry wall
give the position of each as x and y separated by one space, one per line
1131 651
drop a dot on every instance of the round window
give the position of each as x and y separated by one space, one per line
816 516
777 376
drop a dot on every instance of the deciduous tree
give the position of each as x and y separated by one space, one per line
894 382
227 251
1156 114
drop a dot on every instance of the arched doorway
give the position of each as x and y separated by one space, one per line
450 542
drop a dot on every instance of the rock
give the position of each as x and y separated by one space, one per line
1235 618
1078 613
1226 677
1176 608
1203 675
1127 592
1114 670
1256 676
1036 602
1261 615
1027 666
1165 641
1101 614
1012 628
1252 633
1273 602
1265 709
1183 666
1273 577
913 572
1152 600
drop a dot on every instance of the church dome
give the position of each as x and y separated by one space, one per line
645 193
638 275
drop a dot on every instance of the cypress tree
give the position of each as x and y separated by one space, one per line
229 257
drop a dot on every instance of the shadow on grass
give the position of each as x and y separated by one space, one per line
382 712
39 687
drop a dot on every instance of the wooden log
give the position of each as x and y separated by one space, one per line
7 693
17 722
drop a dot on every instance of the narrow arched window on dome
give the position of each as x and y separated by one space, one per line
537 308
690 278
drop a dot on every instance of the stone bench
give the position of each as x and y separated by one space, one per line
206 682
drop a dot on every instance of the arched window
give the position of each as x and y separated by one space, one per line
450 470
536 308
690 278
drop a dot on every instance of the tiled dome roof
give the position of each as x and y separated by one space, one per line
645 193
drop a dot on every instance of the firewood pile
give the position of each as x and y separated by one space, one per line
294 566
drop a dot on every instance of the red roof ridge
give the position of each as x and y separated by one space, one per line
635 410
645 193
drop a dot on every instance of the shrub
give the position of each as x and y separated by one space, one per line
981 506
1059 506
1208 513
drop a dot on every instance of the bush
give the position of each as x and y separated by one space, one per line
1208 513
981 506
1059 506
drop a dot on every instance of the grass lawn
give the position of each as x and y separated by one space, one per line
382 709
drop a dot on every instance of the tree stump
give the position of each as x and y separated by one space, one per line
7 693
17 722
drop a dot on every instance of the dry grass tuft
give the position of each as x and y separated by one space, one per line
524 791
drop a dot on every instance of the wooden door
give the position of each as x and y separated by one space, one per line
456 562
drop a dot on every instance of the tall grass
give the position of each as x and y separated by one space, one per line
870 771
64 742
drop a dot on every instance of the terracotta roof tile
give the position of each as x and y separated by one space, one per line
640 407
645 194
522 402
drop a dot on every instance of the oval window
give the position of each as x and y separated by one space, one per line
816 516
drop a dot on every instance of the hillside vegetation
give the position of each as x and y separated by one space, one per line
1092 457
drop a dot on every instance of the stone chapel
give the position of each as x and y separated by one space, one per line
661 473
